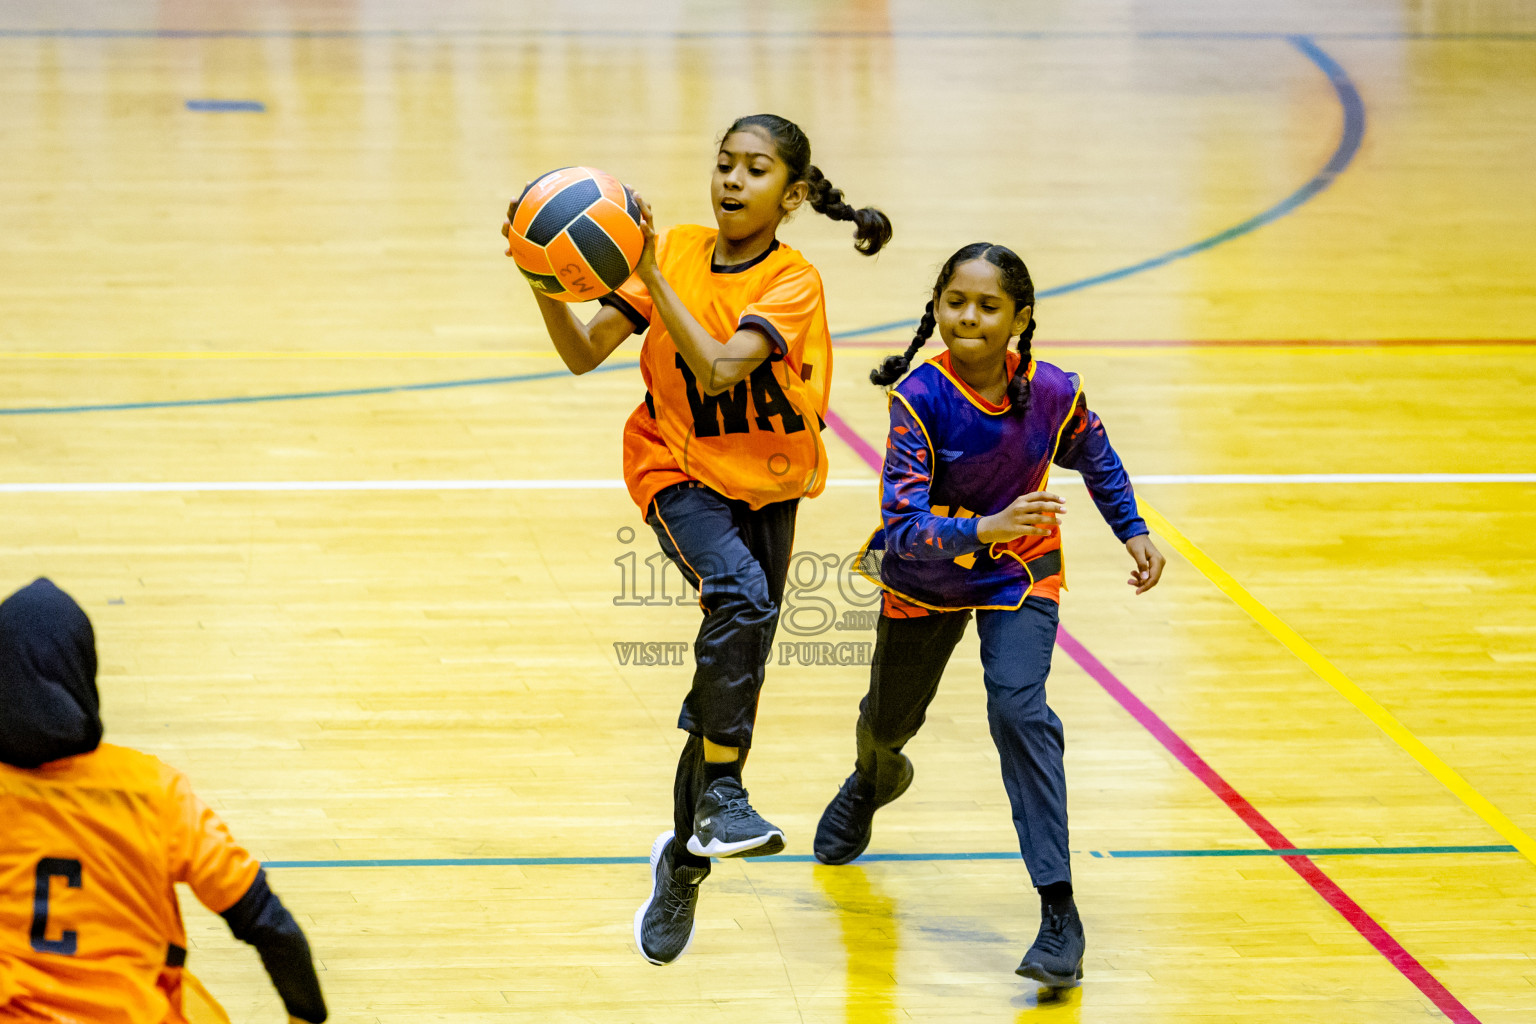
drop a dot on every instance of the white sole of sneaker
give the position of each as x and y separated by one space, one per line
656 848
742 849
1037 973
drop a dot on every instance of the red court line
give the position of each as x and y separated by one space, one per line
1329 890
851 438
1252 343
1368 927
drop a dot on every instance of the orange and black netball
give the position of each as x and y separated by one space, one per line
576 234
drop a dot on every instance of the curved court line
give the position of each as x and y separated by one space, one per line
1347 688
1350 137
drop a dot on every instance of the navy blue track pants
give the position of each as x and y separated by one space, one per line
738 558
1016 646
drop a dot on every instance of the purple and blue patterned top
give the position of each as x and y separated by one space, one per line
953 457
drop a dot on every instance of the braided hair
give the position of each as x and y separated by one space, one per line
1016 283
871 228
892 367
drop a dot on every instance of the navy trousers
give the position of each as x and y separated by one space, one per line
1016 646
738 558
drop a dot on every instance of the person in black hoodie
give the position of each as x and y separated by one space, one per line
94 839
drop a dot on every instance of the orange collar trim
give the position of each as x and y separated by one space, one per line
941 363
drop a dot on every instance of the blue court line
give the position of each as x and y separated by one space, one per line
1312 851
1350 138
705 34
878 858
227 106
294 396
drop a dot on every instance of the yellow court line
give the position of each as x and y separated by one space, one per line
478 353
1330 674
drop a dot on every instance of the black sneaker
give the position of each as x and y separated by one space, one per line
1056 958
848 823
664 922
725 825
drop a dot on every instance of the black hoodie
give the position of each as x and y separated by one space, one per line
48 703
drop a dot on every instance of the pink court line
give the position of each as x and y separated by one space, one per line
1253 343
1303 865
1368 927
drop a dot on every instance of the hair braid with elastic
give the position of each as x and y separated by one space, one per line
872 229
1013 275
1018 384
890 371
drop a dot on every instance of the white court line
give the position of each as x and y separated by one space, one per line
135 487
313 485
1341 478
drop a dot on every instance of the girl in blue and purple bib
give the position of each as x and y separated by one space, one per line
969 529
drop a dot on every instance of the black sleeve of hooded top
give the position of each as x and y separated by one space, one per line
260 919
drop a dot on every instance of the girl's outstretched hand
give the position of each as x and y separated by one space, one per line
1035 514
647 264
1149 563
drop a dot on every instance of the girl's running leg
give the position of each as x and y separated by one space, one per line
1016 651
739 560
910 655
702 533
909 660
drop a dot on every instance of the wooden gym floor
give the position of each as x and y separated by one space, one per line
277 411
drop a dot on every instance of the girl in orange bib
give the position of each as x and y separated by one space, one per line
736 362
94 839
